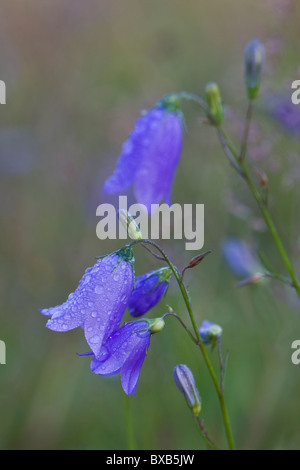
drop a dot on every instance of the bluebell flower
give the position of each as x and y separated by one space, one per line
240 258
185 382
150 155
209 332
125 350
149 290
100 300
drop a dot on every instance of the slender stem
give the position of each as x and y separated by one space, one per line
264 210
173 314
222 364
237 160
246 131
204 434
199 340
192 97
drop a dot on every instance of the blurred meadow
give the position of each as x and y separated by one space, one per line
78 75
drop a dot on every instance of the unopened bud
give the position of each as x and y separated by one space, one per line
254 58
156 324
129 223
214 102
254 279
210 332
185 383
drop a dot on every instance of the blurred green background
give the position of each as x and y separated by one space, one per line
77 75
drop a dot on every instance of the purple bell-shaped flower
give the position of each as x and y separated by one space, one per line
100 300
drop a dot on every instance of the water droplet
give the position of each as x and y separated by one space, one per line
86 279
98 289
94 339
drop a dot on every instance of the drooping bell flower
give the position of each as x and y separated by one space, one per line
149 290
150 155
100 300
125 350
240 257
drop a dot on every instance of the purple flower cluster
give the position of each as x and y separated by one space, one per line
98 305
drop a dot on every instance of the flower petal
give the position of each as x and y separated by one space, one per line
110 298
147 293
70 314
118 348
154 176
133 151
131 369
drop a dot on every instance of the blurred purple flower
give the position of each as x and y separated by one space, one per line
150 155
18 151
209 332
100 300
239 257
149 290
124 352
284 112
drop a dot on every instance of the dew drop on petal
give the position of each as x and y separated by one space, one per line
94 339
98 289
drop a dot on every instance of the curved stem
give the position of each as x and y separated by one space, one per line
173 314
246 131
204 434
199 339
264 210
237 160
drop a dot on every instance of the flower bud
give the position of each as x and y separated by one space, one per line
210 332
129 223
254 279
254 58
155 325
214 102
185 383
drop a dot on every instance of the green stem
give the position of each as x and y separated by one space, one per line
204 434
264 210
199 340
246 132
